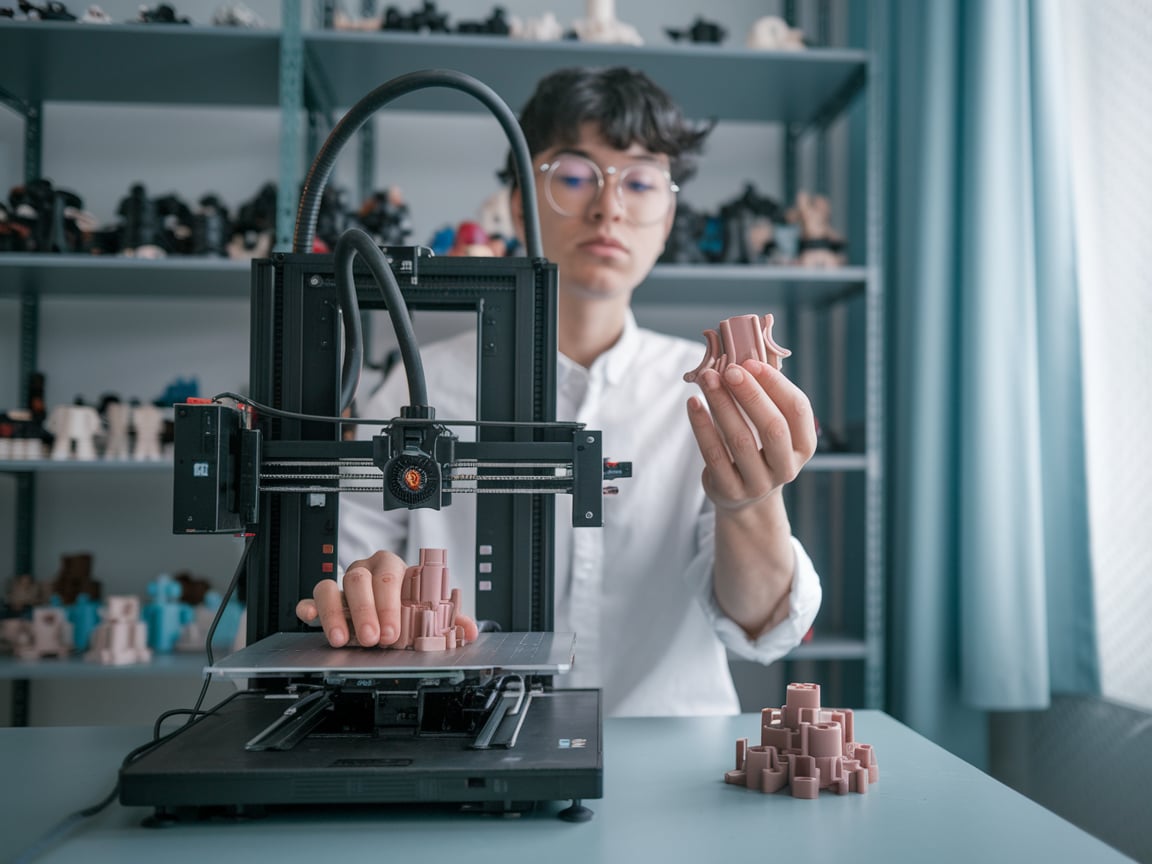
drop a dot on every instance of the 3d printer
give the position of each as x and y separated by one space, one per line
480 726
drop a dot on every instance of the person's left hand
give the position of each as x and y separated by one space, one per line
738 470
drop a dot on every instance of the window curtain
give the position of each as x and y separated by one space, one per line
989 569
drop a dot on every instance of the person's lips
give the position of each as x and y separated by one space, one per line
605 246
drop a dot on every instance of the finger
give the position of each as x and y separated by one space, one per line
770 460
387 580
358 595
793 405
720 474
329 604
306 611
748 475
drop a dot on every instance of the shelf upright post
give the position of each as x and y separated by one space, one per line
876 28
291 109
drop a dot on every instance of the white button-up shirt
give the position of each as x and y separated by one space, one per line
638 592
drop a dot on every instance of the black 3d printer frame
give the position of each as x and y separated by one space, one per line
295 366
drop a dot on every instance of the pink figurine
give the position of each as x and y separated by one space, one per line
806 747
744 337
820 246
428 607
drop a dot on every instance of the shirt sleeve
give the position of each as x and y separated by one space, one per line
803 604
803 601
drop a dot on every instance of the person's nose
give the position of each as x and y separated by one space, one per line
608 206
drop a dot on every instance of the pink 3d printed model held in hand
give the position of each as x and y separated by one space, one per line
428 607
806 747
744 337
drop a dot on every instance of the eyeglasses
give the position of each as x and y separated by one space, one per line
572 183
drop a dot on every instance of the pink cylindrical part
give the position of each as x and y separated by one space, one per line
454 599
824 740
741 338
757 759
741 752
800 696
431 583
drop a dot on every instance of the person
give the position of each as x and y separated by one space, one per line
696 556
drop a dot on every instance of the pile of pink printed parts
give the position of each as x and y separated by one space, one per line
806 747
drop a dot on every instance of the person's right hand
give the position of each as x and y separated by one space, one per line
370 601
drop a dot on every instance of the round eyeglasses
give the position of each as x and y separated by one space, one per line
572 183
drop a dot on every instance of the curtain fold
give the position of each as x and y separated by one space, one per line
988 547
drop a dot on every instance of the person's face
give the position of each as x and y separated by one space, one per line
600 251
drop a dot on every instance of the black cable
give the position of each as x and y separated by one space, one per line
64 827
350 313
353 242
350 123
371 421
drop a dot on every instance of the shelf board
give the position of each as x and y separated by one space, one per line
709 284
830 648
108 276
766 86
95 275
182 665
838 462
139 63
87 466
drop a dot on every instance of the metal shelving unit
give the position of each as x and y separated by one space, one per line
301 71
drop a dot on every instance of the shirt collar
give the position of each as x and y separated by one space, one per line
613 363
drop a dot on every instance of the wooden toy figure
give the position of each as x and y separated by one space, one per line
148 424
118 417
75 427
122 638
602 25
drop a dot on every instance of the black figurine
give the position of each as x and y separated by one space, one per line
211 228
700 31
495 24
48 12
163 13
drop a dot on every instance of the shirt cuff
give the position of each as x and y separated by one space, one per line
803 604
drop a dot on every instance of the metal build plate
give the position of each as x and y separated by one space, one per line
291 654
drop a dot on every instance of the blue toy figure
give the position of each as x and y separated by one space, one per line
85 617
165 615
225 634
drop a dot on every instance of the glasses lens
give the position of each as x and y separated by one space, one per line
572 184
646 192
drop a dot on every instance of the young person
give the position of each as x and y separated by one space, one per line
696 554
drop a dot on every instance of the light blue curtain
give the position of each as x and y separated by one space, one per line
990 575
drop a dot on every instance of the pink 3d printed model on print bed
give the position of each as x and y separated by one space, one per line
428 607
806 747
744 337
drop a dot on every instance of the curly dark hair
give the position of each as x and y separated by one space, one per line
629 107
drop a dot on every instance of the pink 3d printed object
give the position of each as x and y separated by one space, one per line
744 337
428 607
806 747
